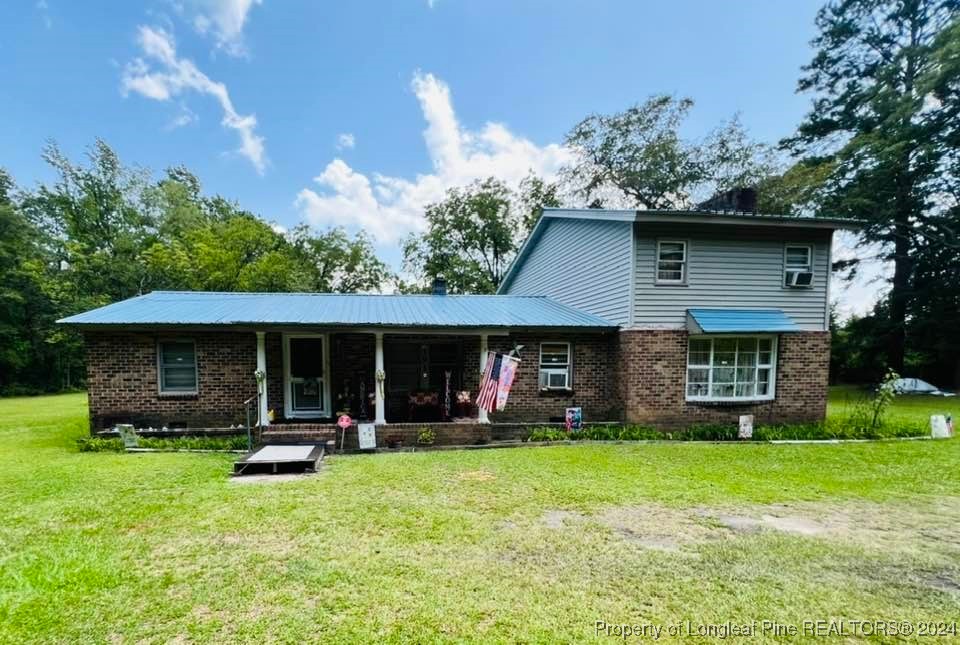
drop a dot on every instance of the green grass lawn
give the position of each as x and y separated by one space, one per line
526 544
844 398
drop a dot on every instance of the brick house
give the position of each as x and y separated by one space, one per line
654 317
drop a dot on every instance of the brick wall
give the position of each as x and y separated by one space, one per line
122 380
638 375
593 380
652 377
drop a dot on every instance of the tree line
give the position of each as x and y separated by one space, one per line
102 232
879 144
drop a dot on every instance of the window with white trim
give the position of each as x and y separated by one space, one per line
724 368
177 366
555 366
671 262
798 265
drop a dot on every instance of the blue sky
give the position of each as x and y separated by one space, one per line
357 114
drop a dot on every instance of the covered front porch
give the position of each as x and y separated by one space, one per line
311 377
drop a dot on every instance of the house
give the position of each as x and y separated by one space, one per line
665 318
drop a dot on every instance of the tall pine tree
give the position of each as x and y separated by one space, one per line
878 122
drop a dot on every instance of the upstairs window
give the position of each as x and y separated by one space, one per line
554 366
725 368
798 266
671 262
177 366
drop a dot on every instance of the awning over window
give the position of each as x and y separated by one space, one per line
739 321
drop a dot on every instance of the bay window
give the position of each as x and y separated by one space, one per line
727 368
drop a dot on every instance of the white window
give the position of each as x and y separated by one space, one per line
554 366
177 366
671 262
798 266
725 368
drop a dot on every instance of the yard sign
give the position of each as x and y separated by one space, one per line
367 436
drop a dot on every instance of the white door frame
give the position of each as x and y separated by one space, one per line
288 411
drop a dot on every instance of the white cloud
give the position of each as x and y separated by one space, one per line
223 20
44 10
185 117
346 140
388 207
173 76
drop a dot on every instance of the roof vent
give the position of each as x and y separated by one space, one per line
439 286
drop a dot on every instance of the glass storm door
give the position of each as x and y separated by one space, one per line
306 380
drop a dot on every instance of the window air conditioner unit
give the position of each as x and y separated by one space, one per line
799 278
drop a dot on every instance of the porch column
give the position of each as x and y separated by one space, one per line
481 413
263 416
379 406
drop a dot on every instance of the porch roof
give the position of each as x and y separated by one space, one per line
161 308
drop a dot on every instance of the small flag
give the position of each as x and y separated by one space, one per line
497 380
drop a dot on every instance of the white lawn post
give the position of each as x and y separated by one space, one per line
379 378
263 414
481 413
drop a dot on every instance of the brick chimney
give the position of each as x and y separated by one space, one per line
737 200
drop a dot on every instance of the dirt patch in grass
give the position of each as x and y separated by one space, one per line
779 522
655 527
888 527
556 519
476 476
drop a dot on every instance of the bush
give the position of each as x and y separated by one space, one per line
844 429
100 444
426 436
599 433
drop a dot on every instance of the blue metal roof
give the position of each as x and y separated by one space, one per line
732 321
212 308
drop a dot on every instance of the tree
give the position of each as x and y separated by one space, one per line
209 243
333 262
470 239
103 231
934 305
637 158
95 224
533 195
880 76
794 191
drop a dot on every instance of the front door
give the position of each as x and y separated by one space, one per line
306 394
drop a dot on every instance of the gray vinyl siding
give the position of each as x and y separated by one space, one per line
729 267
581 263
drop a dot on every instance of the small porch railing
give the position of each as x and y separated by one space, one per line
252 407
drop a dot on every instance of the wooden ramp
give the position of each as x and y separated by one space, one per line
281 458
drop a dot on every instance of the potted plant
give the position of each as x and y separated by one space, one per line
426 436
394 441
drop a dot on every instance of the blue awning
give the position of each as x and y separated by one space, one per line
739 321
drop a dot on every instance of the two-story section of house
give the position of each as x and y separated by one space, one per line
719 314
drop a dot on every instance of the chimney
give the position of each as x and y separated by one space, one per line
738 200
439 286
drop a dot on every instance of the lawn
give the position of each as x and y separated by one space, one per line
844 398
526 544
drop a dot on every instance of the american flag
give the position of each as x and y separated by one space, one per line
496 381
